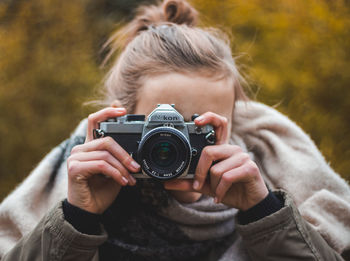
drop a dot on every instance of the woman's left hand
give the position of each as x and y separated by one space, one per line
234 180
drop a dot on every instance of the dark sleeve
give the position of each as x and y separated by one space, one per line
83 221
266 207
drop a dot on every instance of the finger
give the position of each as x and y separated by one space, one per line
95 118
187 186
112 147
208 155
79 170
219 123
106 156
237 159
241 174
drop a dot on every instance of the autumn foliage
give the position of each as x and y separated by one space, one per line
294 53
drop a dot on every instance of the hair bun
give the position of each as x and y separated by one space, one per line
180 12
173 11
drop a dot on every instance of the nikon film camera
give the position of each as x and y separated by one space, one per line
165 146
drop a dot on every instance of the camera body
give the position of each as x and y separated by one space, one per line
165 146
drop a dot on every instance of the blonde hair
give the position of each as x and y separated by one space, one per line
161 39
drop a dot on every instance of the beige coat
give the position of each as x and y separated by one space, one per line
286 156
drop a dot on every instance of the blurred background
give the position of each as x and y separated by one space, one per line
295 53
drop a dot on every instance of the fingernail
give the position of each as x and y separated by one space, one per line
199 118
132 180
135 165
125 181
119 109
196 184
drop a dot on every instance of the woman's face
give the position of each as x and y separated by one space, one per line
191 93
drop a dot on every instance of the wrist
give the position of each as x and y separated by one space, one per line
256 199
77 201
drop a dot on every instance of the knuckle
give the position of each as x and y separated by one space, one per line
108 141
207 151
123 172
72 167
210 114
75 149
101 164
127 160
215 171
105 155
117 174
224 120
92 117
227 147
237 149
251 168
226 178
245 157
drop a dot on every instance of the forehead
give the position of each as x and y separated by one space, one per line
190 93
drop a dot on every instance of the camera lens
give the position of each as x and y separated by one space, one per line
164 153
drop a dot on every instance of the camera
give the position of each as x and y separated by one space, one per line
165 146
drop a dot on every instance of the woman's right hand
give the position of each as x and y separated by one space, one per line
87 188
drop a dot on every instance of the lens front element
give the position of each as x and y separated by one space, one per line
164 153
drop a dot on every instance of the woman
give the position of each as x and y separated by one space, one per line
232 209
